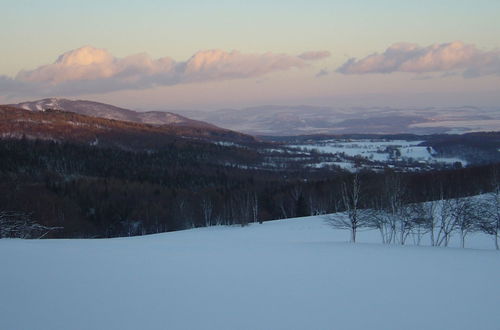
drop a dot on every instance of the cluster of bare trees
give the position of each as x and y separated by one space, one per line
399 220
492 224
21 225
241 208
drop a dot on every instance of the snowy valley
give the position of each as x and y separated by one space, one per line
374 154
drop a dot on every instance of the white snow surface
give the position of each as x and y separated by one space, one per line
378 151
287 274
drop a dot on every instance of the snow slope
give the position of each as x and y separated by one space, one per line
288 274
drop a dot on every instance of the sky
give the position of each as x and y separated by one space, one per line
206 55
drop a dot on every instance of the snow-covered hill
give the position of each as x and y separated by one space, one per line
102 110
288 274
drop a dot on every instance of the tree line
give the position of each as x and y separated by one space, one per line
77 190
398 217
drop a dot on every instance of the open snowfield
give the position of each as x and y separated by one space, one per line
380 151
289 274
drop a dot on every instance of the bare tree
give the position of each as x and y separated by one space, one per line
446 221
394 195
295 194
281 200
354 218
389 214
207 209
423 221
254 205
21 225
490 218
242 208
494 207
420 228
466 213
378 218
315 205
429 214
410 222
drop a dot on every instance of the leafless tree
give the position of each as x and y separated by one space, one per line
465 212
423 221
315 205
428 212
378 219
21 225
490 223
411 220
446 221
354 218
407 219
254 205
494 201
207 209
219 220
226 217
282 203
242 208
390 216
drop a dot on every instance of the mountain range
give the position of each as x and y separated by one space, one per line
97 123
273 120
102 110
305 120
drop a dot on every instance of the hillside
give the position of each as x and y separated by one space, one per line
102 110
69 126
291 274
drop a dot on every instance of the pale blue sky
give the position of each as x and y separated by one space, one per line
35 33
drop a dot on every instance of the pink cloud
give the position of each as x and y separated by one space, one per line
89 63
447 57
94 70
217 64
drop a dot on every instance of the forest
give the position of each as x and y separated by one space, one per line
73 190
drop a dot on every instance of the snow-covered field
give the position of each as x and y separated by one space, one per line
374 150
288 274
377 150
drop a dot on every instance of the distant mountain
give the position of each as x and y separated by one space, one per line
68 126
304 120
274 120
101 110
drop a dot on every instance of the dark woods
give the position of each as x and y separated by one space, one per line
74 190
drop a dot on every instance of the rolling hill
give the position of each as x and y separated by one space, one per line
69 126
102 110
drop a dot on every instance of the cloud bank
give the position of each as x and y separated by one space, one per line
446 57
93 70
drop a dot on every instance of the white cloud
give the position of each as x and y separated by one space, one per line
93 70
447 57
